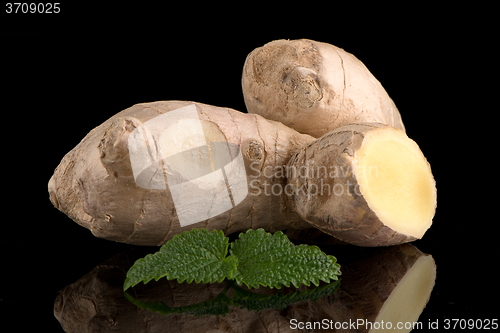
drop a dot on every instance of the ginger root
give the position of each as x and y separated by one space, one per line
95 184
382 290
314 87
366 184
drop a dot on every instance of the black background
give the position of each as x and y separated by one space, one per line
64 74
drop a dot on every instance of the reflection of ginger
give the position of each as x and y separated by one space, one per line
96 303
390 284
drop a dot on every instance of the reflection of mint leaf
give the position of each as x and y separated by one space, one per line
257 259
279 301
219 305
273 261
196 255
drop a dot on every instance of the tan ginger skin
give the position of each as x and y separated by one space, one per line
94 184
314 87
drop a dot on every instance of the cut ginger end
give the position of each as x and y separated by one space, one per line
407 301
396 181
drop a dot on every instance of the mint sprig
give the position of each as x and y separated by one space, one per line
256 259
272 261
254 301
218 305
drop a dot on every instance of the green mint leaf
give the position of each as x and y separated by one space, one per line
254 301
195 255
272 260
